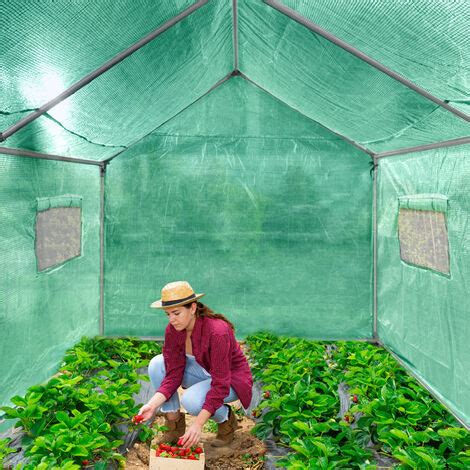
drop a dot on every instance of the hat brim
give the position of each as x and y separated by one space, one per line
158 303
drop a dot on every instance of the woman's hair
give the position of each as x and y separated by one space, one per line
204 311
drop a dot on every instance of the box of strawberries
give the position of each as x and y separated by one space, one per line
175 457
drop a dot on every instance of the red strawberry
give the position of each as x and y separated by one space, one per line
354 399
347 418
267 394
85 463
198 450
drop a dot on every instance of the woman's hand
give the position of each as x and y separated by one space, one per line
192 436
147 411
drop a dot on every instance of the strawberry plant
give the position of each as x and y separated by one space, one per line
5 450
389 412
90 397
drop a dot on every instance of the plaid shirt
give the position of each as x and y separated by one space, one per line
216 349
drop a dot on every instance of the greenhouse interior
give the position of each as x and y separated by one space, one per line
304 164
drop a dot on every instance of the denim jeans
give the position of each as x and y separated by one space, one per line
196 381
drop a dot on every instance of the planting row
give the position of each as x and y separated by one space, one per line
73 420
386 413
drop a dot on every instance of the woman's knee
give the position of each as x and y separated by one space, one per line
156 367
192 403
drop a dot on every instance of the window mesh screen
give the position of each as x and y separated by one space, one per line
58 236
423 239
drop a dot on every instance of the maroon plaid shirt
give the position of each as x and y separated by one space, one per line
216 349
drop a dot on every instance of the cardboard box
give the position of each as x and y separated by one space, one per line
163 463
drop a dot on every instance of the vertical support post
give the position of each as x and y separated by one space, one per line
235 34
102 181
374 236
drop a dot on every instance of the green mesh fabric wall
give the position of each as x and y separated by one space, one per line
423 316
44 313
254 204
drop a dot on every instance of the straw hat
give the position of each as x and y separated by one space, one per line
175 294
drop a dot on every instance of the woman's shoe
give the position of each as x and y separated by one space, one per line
226 430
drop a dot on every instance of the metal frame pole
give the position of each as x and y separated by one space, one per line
421 148
235 34
102 184
349 141
356 52
99 71
45 156
374 242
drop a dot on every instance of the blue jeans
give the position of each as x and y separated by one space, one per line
196 381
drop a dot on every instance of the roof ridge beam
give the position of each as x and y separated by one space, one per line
212 88
48 156
421 148
341 136
100 70
356 52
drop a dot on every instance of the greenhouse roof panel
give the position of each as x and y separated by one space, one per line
402 36
48 46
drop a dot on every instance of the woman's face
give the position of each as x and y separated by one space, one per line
181 317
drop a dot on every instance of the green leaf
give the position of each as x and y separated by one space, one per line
454 433
400 434
302 426
427 457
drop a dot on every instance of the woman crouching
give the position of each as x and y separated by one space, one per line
200 354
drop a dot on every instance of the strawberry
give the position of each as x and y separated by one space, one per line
267 394
137 419
347 418
198 450
85 463
355 399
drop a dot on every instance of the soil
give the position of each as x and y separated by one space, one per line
245 452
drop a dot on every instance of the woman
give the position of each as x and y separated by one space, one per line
201 354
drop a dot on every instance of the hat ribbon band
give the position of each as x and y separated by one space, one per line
167 303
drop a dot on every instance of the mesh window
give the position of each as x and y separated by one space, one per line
422 233
58 231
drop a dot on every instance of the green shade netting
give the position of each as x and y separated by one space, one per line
140 93
422 315
426 42
335 88
48 46
43 314
46 135
251 202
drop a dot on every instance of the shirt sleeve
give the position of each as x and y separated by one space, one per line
220 373
175 361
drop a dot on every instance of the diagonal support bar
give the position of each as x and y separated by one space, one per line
349 141
47 156
212 88
104 68
421 148
356 52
